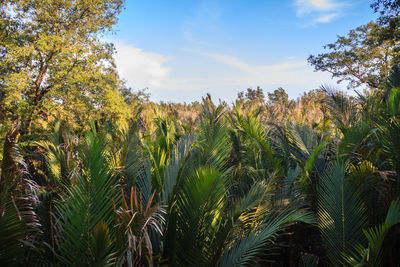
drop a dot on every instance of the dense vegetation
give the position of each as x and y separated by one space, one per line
93 174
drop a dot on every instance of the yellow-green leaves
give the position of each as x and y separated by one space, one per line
54 60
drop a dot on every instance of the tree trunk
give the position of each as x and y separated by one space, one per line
34 105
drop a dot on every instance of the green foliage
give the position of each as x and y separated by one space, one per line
389 134
227 194
256 139
136 219
259 221
394 101
87 203
372 255
53 61
19 224
341 214
199 209
342 109
362 57
58 155
213 136
303 182
177 166
247 250
102 246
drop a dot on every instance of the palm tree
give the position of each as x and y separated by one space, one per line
236 191
85 226
19 224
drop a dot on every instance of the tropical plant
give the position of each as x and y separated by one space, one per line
19 224
86 209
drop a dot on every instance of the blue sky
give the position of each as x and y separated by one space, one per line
183 49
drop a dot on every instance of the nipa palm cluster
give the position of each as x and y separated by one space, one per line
236 189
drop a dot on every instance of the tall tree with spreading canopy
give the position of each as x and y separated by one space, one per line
363 57
53 58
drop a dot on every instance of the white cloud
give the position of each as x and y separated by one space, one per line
327 18
308 6
320 11
141 69
221 75
228 60
292 74
288 71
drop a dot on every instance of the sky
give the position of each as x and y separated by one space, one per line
183 49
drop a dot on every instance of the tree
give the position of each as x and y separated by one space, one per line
255 95
389 10
278 96
52 57
279 103
363 57
252 96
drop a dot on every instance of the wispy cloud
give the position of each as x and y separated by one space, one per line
320 11
289 72
143 69
327 18
140 68
308 6
224 77
229 61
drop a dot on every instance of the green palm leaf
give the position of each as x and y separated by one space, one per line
19 225
88 202
372 255
213 137
249 248
58 155
176 164
341 214
199 213
260 151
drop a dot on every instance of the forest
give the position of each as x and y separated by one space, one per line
93 173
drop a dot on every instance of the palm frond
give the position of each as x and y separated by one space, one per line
19 225
341 214
102 251
58 155
372 255
199 213
342 108
394 101
13 166
247 249
136 221
176 164
259 219
134 164
88 202
389 135
377 234
357 140
260 153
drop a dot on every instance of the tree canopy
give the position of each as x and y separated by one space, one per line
362 57
53 59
